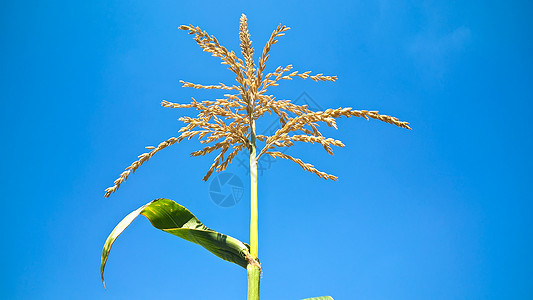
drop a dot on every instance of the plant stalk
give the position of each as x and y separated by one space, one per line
254 274
254 271
253 204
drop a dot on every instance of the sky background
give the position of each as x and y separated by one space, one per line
440 212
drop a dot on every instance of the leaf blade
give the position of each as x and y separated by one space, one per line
121 226
169 216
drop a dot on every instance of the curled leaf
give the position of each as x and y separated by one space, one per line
169 216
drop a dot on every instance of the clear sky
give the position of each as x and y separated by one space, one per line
440 212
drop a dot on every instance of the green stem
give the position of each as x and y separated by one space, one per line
254 274
254 270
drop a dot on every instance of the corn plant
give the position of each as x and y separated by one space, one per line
227 126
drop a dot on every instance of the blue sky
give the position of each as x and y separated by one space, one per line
440 212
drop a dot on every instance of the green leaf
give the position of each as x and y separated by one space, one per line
320 298
169 216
